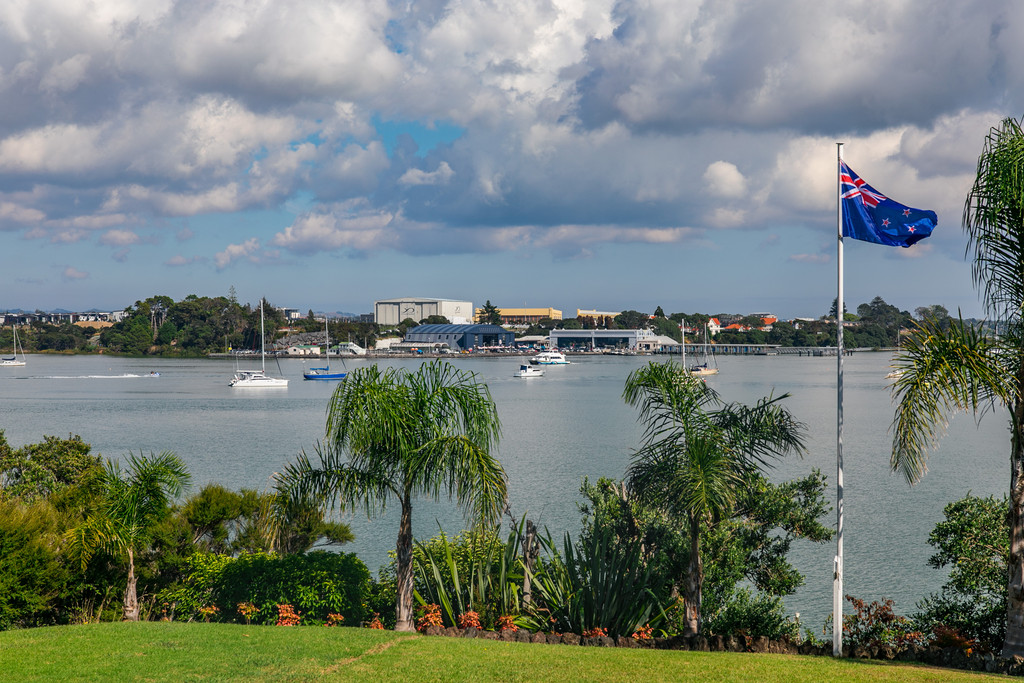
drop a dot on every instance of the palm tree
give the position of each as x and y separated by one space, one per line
406 434
944 371
696 452
132 502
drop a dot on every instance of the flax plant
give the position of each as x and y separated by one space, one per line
962 369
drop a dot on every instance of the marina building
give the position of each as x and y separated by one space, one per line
602 339
459 337
394 311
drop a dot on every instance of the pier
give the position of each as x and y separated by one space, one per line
752 350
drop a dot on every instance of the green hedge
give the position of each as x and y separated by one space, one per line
314 584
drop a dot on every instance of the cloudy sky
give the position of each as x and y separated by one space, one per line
604 154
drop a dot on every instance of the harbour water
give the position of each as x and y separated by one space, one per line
556 430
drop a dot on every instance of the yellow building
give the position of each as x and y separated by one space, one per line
523 316
582 313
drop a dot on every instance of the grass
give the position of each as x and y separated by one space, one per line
161 651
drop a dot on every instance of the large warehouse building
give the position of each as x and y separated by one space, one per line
460 337
394 311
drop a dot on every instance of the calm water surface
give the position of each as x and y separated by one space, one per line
556 430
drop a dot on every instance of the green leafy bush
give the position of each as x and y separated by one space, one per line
32 572
316 584
750 614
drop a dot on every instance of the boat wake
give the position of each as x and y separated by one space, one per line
124 376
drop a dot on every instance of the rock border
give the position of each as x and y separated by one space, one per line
950 657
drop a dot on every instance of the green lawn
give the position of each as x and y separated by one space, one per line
155 651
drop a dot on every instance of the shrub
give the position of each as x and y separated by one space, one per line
430 615
33 573
469 620
876 625
287 616
645 632
753 615
507 622
246 609
316 584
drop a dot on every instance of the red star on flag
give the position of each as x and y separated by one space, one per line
885 222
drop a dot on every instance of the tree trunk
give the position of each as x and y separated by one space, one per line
694 582
1014 643
131 600
530 553
403 607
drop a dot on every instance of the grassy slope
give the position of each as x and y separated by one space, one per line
217 652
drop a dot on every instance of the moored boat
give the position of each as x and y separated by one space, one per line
549 358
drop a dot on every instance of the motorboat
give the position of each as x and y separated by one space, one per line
257 379
549 358
528 371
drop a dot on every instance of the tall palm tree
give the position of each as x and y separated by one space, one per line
398 434
696 451
132 502
944 371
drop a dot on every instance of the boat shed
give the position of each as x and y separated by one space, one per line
461 337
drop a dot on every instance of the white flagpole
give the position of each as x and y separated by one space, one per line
837 583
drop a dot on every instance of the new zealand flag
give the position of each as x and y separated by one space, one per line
871 216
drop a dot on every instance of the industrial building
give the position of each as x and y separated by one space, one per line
394 311
523 316
460 337
602 339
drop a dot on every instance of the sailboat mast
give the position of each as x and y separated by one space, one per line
263 341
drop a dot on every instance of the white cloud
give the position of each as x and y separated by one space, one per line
178 260
10 211
347 226
725 180
415 176
70 274
119 238
248 250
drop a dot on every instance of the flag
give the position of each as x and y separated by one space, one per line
870 216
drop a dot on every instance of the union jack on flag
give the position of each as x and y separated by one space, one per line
854 186
870 216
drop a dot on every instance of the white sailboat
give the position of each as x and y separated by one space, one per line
704 368
15 360
258 378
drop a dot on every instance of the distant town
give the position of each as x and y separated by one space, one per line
197 326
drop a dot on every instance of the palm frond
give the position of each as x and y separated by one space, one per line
943 372
993 218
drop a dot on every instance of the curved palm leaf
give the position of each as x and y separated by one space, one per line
994 221
942 372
